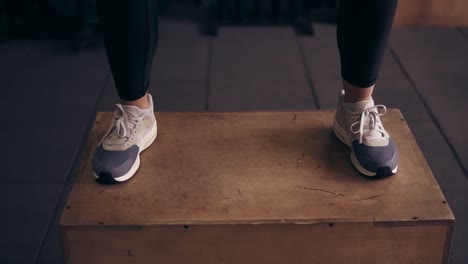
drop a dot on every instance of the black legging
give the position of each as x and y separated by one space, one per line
131 36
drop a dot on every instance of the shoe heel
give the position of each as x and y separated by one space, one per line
150 140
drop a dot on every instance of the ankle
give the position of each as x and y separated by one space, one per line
142 103
353 100
355 94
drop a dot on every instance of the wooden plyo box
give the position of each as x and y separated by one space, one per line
257 187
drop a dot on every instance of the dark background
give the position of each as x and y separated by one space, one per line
54 77
78 18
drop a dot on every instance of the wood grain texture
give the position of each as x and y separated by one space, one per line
432 13
300 244
253 177
231 167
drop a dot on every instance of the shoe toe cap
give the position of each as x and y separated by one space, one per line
373 158
114 164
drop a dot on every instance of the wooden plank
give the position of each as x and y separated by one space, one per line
281 166
342 243
12 54
255 68
26 212
432 13
392 89
425 54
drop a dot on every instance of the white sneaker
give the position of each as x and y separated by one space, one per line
117 157
358 125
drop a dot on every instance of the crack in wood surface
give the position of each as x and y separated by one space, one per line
320 190
298 159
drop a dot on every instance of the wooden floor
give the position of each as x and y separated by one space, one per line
49 98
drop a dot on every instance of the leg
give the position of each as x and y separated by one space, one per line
362 33
130 34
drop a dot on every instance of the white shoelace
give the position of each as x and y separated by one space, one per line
369 123
125 123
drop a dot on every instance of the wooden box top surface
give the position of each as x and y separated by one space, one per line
255 167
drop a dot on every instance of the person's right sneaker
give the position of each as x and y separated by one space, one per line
117 157
358 125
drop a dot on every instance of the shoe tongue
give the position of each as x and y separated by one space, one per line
131 109
362 105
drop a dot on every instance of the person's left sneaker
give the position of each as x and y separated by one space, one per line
358 125
117 156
